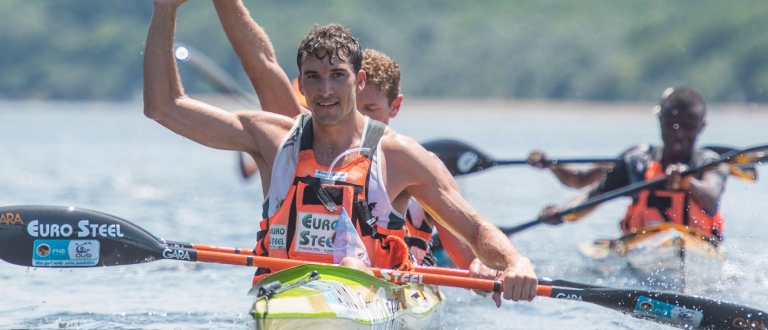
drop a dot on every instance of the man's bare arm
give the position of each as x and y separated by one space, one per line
254 132
578 178
166 102
252 46
706 192
426 183
461 254
571 177
164 97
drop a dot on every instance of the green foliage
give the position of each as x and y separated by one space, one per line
555 49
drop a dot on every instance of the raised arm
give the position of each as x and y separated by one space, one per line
257 56
165 101
425 182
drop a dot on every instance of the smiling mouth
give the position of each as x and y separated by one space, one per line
327 104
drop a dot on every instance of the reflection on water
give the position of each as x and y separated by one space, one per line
109 157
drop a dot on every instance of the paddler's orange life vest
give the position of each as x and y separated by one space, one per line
304 225
418 234
657 206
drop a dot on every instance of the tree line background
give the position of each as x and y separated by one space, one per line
556 49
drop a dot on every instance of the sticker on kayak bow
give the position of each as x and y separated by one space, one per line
647 307
65 253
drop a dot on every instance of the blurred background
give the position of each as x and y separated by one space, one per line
598 50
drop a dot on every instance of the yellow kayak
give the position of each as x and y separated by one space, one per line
332 297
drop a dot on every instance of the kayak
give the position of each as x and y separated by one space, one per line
667 255
324 297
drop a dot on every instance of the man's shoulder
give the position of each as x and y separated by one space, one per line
409 161
702 156
706 153
403 151
267 127
394 142
638 152
256 117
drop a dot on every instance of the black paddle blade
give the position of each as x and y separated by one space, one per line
459 157
56 236
690 312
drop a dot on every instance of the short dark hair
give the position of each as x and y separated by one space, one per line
332 40
684 99
382 72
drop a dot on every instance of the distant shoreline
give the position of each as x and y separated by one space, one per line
424 104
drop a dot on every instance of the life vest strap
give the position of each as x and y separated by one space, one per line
367 221
261 236
375 132
321 193
306 134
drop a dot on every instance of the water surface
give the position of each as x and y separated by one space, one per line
109 157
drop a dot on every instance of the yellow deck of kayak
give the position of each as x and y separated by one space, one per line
343 298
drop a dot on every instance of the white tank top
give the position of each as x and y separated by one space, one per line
418 215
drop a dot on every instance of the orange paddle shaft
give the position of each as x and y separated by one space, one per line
420 276
423 269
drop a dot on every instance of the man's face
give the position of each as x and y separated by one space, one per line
374 103
679 130
330 88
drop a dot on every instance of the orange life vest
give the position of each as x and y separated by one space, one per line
418 234
657 206
304 224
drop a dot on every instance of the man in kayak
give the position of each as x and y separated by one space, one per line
333 168
692 200
380 100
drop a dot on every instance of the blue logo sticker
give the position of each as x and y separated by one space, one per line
649 308
66 253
